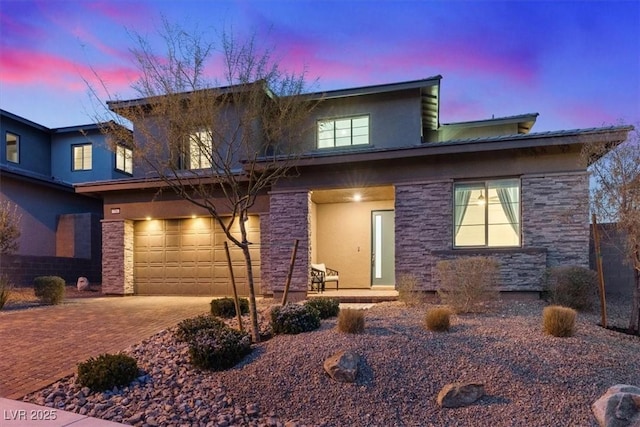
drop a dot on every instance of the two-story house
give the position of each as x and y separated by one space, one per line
383 189
59 228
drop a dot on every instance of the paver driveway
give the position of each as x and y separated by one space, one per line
40 345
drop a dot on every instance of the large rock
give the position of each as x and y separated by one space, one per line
83 284
456 395
342 366
618 407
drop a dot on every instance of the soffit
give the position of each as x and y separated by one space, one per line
346 195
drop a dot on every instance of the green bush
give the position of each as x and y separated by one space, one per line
226 307
107 371
294 319
438 319
188 328
5 291
571 286
351 321
326 307
219 348
468 284
558 321
50 289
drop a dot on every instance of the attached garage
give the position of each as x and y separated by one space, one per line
187 257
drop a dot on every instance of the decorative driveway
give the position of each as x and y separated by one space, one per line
40 345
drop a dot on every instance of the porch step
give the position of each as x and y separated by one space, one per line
357 296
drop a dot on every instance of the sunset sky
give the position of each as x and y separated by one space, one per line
577 63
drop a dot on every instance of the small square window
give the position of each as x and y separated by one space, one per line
82 157
13 147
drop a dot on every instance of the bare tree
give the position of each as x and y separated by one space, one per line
615 197
9 227
217 143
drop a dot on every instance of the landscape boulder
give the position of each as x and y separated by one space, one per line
83 284
455 395
342 366
618 407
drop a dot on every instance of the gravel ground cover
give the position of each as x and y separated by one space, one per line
530 378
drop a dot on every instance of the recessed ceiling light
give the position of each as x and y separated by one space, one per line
357 197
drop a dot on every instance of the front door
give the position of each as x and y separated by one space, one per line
382 248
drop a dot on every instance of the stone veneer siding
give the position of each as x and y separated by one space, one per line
289 219
555 216
423 215
555 230
117 257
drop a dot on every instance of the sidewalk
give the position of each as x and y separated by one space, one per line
14 413
41 345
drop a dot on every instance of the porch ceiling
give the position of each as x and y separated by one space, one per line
346 195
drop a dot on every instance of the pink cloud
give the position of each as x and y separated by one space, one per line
21 67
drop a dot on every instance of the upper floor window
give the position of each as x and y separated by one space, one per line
199 148
13 147
343 132
487 213
82 157
124 159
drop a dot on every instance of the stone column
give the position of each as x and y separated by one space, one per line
289 219
423 224
117 257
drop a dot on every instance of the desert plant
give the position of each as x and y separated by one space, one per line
218 348
558 321
438 319
294 319
226 307
50 289
408 291
107 371
5 290
188 328
571 286
467 284
326 307
351 320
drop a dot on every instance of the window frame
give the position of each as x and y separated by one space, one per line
73 157
334 138
486 183
124 159
188 156
6 142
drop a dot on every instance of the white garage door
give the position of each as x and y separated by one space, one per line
187 257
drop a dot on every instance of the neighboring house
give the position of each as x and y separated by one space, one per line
383 189
60 229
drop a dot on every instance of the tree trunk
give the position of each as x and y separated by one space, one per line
253 310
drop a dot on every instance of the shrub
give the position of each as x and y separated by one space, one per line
438 319
188 328
351 320
409 292
558 321
326 307
107 371
5 291
226 307
467 284
219 348
50 289
294 319
571 286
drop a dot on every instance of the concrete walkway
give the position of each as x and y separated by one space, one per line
40 345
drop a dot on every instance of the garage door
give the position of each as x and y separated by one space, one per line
187 257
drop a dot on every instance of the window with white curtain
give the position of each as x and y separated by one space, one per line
199 150
487 214
343 132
